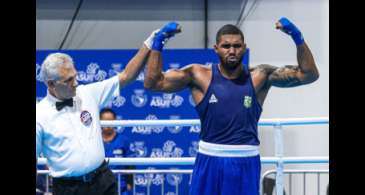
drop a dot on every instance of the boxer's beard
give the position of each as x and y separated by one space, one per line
231 62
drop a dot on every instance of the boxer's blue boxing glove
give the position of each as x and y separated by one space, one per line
290 29
162 36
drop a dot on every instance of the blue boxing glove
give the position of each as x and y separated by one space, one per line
163 35
290 29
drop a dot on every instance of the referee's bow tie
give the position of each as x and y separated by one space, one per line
67 102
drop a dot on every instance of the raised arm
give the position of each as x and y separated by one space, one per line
136 64
293 75
172 80
134 67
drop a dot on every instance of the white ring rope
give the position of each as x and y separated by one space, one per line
141 171
192 122
191 160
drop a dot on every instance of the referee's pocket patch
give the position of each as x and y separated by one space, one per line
86 118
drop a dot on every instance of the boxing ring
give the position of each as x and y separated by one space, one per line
279 160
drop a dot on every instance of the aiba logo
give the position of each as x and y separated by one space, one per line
95 72
171 150
118 101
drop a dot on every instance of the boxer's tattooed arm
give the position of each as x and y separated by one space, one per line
291 76
266 68
287 76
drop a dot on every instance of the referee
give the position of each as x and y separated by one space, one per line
68 131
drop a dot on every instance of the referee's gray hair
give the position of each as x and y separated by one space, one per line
52 63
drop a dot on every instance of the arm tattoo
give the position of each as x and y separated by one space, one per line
266 68
286 76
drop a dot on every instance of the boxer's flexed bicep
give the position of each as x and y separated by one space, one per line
177 79
173 80
285 76
294 75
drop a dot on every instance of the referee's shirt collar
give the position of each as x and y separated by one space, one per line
52 98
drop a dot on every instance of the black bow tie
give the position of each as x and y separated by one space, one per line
68 102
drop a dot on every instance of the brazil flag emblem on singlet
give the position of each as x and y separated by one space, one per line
247 101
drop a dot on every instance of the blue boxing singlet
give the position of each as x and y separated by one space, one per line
229 111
